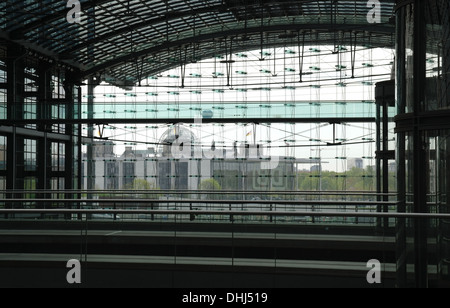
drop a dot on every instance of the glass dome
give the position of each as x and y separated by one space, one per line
176 134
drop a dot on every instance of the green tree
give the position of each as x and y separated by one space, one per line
139 184
211 185
143 185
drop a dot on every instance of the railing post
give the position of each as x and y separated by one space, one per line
271 216
192 215
152 208
231 216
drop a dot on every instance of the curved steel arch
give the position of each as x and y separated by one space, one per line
380 36
116 33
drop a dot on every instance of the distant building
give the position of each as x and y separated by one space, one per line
103 149
393 167
316 168
235 168
355 163
112 172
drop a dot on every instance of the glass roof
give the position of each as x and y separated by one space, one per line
132 39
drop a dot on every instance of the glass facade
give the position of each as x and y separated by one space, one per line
442 187
33 153
437 58
58 156
423 41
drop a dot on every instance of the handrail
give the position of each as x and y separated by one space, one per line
225 192
232 212
196 201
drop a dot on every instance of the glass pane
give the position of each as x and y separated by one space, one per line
30 160
409 57
437 84
3 153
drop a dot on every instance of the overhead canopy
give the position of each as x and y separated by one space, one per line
128 40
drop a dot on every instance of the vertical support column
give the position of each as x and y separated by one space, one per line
77 106
412 234
420 171
420 206
386 157
15 71
70 114
444 207
378 162
43 110
90 146
401 232
80 129
444 148
91 87
385 98
69 153
72 160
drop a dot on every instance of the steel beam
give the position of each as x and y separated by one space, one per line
109 121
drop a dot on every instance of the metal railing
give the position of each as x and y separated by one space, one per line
246 193
248 213
169 206
199 205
